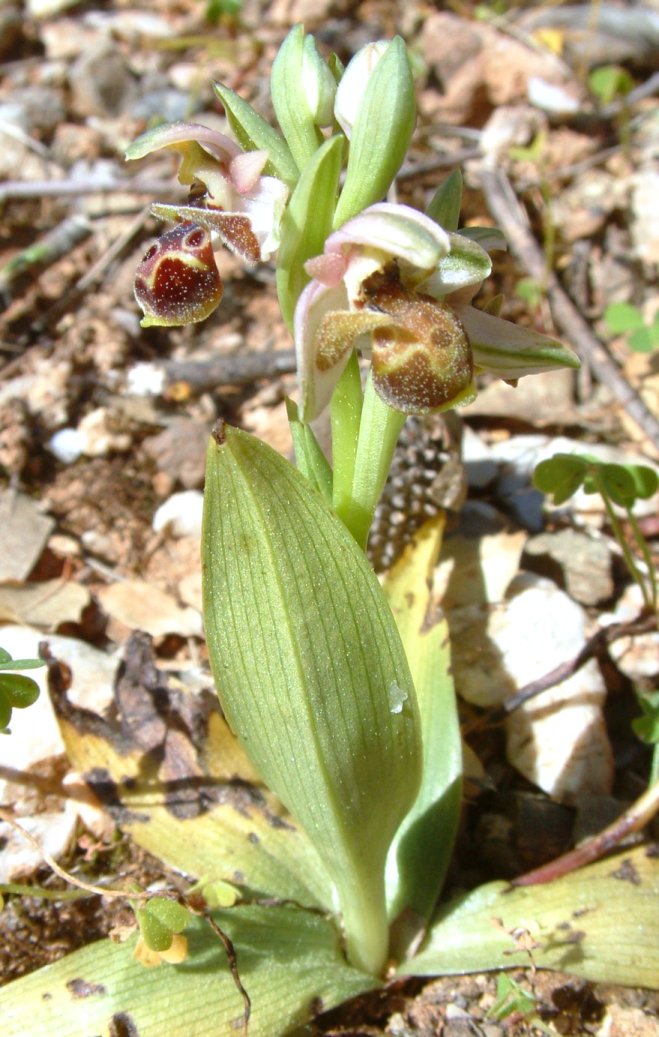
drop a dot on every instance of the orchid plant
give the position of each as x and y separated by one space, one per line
335 690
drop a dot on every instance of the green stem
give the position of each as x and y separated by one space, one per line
364 911
378 434
346 412
642 545
620 537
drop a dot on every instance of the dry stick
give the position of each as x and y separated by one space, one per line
232 960
77 188
46 250
511 218
102 891
632 820
643 624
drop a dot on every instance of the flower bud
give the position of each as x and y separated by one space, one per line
318 84
353 83
177 281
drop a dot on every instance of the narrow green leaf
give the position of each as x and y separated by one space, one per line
306 657
444 206
289 961
253 133
421 850
601 923
307 222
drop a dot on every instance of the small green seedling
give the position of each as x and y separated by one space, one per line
16 690
610 82
161 921
513 1001
622 485
622 318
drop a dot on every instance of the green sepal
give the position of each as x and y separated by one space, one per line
306 655
307 222
444 206
253 133
381 134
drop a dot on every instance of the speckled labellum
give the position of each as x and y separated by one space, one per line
177 282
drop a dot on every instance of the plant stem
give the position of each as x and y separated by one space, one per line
378 434
346 412
620 537
647 557
364 911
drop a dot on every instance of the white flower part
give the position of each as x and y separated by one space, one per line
396 232
353 83
174 134
245 170
316 387
265 208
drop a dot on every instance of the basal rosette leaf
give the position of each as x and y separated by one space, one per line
306 658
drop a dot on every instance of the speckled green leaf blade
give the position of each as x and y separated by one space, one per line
309 668
421 850
289 961
601 923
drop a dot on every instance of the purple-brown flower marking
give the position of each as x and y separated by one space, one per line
396 286
177 281
422 360
230 201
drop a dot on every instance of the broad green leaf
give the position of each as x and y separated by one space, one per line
289 961
444 206
560 475
198 811
307 658
307 222
620 317
618 483
646 480
253 133
421 850
21 691
601 923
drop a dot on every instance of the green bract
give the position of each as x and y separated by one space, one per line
310 671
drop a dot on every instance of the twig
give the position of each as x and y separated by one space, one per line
101 891
232 960
235 369
511 218
643 624
632 820
47 250
64 188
